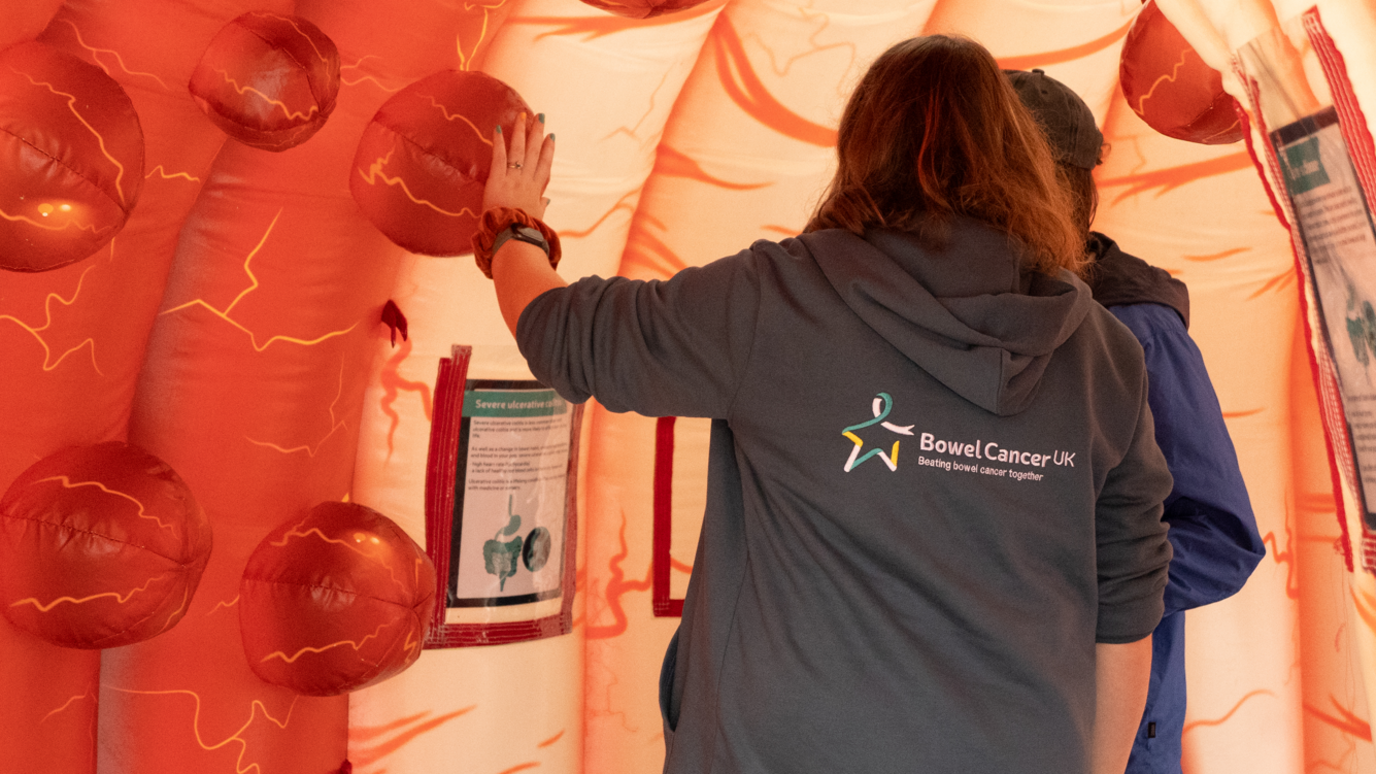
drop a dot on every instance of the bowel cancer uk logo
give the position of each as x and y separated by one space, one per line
882 405
878 437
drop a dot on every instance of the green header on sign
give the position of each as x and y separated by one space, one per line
513 403
1303 168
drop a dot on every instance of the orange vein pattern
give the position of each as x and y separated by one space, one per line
1276 283
361 79
357 646
375 172
369 755
630 131
1028 61
1219 255
293 114
616 588
335 424
162 173
88 694
465 58
1287 558
299 31
359 539
364 733
176 615
1141 106
745 88
1366 608
47 323
460 117
520 767
817 47
1242 413
254 707
672 163
226 605
253 279
143 514
624 203
551 740
393 383
1174 177
119 598
593 27
1220 721
1345 721
96 52
71 106
651 253
316 530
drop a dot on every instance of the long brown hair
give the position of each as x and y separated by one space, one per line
935 130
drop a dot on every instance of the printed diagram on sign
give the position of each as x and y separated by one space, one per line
503 559
1361 329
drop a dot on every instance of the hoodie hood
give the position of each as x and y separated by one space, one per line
1117 278
965 313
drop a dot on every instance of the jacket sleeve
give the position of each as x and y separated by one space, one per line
1212 528
1132 549
676 347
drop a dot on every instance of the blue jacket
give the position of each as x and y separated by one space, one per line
1212 529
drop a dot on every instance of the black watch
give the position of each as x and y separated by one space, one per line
520 234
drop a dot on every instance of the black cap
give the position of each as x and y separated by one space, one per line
1064 117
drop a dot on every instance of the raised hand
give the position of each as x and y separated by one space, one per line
519 176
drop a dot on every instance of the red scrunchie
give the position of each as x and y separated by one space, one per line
494 221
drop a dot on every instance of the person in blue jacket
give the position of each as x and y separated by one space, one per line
1212 529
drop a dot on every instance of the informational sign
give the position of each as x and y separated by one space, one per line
509 504
1335 225
500 520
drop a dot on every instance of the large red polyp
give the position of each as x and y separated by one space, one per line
643 9
100 546
335 600
268 81
424 158
71 158
1171 88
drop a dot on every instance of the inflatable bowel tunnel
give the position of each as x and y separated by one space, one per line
280 496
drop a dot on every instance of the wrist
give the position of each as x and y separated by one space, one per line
499 225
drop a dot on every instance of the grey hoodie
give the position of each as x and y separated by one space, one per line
933 487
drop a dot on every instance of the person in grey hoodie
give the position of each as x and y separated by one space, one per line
933 538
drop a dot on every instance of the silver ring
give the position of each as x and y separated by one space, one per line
514 165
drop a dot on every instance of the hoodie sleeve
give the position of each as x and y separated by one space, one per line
1212 528
676 347
1133 552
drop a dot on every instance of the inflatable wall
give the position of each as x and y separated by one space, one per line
254 394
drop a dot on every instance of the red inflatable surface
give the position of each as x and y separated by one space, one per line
71 158
101 546
335 601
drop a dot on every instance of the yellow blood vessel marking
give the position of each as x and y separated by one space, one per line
254 706
274 102
71 105
48 321
355 645
67 484
224 315
375 171
95 52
